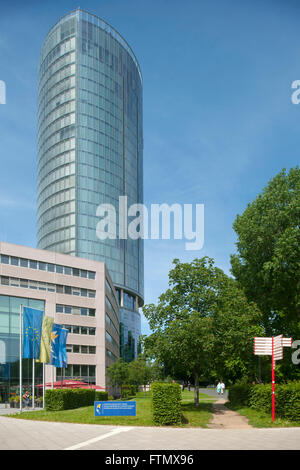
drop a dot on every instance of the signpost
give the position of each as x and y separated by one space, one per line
115 408
272 347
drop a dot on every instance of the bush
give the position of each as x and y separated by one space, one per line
101 396
259 397
128 391
287 398
63 399
239 394
166 403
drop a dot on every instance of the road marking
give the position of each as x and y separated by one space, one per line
99 438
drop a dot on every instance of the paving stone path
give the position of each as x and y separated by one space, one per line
224 418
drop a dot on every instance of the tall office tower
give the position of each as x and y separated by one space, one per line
90 152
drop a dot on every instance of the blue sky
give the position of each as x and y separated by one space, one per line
218 118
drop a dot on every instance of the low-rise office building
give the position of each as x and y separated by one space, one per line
78 293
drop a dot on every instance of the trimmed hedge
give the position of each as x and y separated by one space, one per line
288 401
101 396
166 403
239 394
259 397
63 399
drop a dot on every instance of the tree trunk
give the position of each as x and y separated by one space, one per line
196 390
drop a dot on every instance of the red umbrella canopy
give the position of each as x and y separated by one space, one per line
71 384
94 387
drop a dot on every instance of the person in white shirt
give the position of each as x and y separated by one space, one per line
222 388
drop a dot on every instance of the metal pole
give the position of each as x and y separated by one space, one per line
43 385
33 371
273 382
20 371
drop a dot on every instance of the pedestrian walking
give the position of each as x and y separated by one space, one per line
219 388
222 388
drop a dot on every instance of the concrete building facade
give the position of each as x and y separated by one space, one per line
77 293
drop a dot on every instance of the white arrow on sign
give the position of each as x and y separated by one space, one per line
263 346
277 348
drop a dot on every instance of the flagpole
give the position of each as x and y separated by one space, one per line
21 333
43 385
33 371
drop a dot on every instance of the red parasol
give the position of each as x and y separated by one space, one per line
71 384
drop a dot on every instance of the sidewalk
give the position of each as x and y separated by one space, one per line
18 434
223 418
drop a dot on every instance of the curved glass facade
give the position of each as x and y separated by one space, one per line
90 143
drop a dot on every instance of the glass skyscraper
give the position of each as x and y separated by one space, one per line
90 152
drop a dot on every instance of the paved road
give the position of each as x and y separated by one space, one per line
16 434
213 393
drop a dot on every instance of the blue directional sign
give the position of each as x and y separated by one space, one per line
115 408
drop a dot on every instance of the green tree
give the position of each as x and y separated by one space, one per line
267 262
203 324
143 372
118 373
139 372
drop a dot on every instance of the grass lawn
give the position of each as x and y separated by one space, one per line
259 419
191 416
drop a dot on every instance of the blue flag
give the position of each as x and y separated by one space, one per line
59 346
32 330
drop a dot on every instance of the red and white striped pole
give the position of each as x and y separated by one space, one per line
273 382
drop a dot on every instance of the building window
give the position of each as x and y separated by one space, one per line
32 264
80 330
42 266
60 289
129 301
110 355
84 372
81 349
71 310
110 339
110 322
